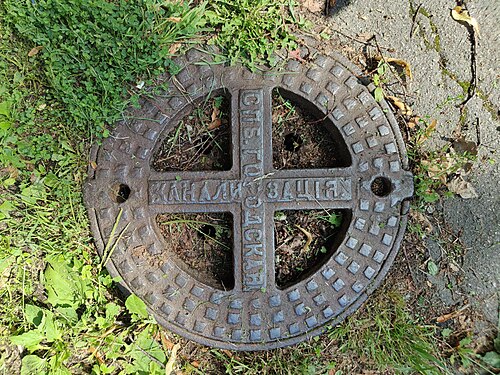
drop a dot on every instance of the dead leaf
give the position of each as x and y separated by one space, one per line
93 164
169 367
403 107
174 19
400 62
167 344
295 54
305 249
96 354
428 132
462 146
422 220
216 121
364 37
412 124
460 14
174 48
34 51
313 5
445 317
462 188
454 267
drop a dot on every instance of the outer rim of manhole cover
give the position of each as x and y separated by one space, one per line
255 315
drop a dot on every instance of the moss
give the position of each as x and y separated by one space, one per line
465 85
434 44
488 105
463 118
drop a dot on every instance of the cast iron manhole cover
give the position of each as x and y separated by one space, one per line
255 313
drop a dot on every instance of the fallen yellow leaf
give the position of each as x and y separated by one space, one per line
428 132
462 15
400 62
461 187
169 367
403 107
174 19
34 51
174 48
312 5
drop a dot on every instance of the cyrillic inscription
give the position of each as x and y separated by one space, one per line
269 190
298 190
209 191
252 167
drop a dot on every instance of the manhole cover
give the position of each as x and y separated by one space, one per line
125 195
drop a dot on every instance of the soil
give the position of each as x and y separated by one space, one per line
203 244
304 240
201 141
302 141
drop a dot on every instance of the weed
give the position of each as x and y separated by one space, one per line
333 218
201 140
386 333
432 170
94 53
379 80
251 31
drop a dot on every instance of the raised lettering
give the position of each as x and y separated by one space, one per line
251 263
187 191
257 202
249 219
254 235
272 190
303 189
173 194
345 188
221 192
255 250
205 195
331 189
317 190
250 115
253 280
250 98
286 194
235 188
251 132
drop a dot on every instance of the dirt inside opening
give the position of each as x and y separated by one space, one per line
304 241
201 141
203 245
303 137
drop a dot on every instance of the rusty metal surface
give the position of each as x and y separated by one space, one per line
255 314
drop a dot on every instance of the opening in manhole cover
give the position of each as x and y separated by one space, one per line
256 209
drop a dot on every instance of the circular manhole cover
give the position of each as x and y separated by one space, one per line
125 194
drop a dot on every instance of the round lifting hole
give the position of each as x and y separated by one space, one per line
381 186
122 193
292 142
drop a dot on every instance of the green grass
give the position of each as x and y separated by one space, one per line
94 53
386 334
251 31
